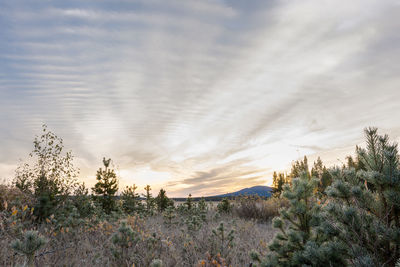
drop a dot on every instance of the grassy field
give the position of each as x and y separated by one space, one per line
180 241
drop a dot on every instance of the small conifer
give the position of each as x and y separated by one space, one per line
28 246
131 200
189 202
169 215
156 263
223 239
122 240
300 241
106 186
149 200
162 201
224 206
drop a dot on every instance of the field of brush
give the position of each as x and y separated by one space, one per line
181 239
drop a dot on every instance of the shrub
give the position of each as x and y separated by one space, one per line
122 240
189 202
169 215
224 206
130 200
156 263
213 261
201 209
12 196
52 178
28 246
82 201
193 222
222 239
254 207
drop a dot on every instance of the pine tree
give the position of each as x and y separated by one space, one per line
106 186
222 239
189 202
47 196
364 211
275 180
299 167
300 241
149 199
130 199
31 242
358 223
169 215
317 169
162 201
325 181
122 240
356 163
202 209
82 201
156 263
279 181
224 206
321 172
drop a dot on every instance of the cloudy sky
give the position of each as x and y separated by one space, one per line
199 97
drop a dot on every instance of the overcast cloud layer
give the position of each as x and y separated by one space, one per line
199 97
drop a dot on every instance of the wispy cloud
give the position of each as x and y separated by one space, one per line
203 96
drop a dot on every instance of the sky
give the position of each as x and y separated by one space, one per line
201 97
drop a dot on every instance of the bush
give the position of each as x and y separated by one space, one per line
224 206
131 200
122 240
169 215
222 239
201 209
52 178
254 207
156 263
28 246
82 201
12 196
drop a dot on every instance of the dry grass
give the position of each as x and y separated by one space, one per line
257 208
175 245
11 196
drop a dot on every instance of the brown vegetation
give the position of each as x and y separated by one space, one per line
263 210
175 245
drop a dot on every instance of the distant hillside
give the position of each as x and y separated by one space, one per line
260 190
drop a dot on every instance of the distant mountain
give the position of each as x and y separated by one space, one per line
260 190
